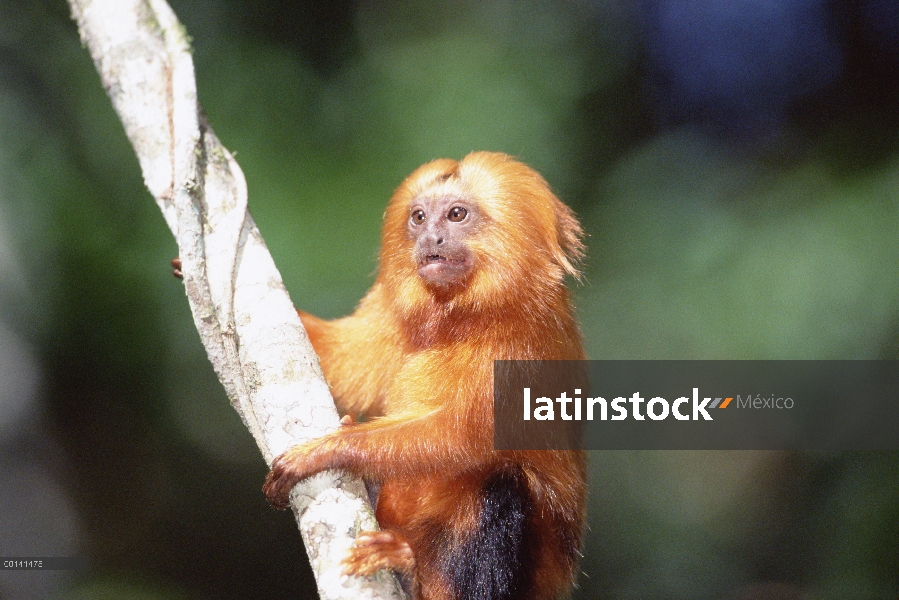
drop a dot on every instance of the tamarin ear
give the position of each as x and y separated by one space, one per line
524 202
571 250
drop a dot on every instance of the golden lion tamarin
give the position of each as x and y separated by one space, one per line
472 266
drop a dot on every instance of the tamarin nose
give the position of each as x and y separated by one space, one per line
435 237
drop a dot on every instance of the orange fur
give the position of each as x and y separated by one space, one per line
416 360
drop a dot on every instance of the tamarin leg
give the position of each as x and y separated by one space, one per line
468 538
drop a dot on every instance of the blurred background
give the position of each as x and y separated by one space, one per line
735 164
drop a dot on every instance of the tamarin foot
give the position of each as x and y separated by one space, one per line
176 268
376 550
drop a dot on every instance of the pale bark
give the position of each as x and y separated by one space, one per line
241 309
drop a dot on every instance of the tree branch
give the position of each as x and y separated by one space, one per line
247 323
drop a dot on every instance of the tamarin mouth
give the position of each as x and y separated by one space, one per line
436 258
443 270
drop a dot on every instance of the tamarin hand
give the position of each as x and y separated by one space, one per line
287 470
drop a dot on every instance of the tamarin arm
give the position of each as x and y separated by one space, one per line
404 445
316 330
357 360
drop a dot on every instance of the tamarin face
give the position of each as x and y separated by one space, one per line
439 226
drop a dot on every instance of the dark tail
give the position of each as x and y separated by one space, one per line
496 562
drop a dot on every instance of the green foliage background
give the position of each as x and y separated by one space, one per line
116 440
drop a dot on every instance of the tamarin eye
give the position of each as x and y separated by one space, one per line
418 217
456 214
